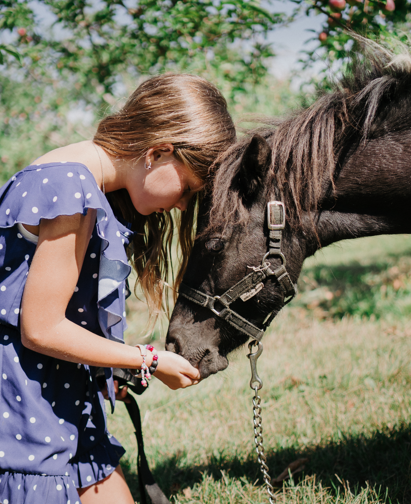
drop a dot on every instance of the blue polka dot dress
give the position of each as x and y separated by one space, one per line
53 435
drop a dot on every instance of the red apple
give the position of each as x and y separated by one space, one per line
333 19
337 5
322 37
389 6
21 32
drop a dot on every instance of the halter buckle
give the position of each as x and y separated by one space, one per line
270 224
211 302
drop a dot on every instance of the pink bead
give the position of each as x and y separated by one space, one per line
155 357
150 348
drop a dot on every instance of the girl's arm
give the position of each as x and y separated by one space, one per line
52 277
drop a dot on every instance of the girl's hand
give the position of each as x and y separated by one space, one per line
175 371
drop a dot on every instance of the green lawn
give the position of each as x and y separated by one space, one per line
336 371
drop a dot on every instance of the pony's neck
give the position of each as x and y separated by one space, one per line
372 193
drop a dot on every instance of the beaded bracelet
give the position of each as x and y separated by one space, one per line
145 371
154 363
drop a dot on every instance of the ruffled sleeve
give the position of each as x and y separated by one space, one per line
50 190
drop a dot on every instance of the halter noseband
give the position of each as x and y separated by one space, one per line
250 285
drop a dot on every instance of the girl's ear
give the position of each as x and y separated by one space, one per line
166 148
163 150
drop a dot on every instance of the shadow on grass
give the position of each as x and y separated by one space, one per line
358 290
382 460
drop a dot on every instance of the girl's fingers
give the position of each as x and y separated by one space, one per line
175 371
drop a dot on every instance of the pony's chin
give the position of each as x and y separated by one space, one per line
211 364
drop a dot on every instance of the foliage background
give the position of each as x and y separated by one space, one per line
64 64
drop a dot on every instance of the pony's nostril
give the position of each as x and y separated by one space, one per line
173 346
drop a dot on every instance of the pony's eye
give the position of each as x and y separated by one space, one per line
215 245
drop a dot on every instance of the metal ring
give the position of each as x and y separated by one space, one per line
211 305
278 254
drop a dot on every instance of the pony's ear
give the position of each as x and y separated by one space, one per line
254 166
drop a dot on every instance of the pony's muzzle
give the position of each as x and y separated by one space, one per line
202 353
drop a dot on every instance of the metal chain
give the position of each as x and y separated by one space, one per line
256 384
258 439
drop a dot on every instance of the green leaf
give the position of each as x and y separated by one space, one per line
10 50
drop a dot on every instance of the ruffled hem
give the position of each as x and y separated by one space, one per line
35 193
18 488
89 467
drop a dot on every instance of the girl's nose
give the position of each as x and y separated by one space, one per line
183 203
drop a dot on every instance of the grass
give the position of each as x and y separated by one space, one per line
336 392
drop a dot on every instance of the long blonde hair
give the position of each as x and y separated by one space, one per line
191 114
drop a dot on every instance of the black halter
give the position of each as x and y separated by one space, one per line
250 285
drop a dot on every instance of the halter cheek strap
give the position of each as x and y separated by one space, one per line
250 285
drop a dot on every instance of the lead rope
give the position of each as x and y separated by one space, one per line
256 384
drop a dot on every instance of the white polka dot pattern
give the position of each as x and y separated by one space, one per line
46 425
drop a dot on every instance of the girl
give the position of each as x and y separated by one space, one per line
63 282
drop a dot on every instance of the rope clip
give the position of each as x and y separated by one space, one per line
255 383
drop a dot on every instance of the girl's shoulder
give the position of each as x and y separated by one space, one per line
58 169
47 191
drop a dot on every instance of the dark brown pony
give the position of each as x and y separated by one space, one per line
342 168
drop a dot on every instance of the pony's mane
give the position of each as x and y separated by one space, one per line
309 147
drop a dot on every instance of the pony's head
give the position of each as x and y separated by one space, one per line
230 245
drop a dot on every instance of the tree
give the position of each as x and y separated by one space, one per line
59 55
89 44
383 20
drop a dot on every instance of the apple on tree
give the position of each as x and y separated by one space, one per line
337 5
